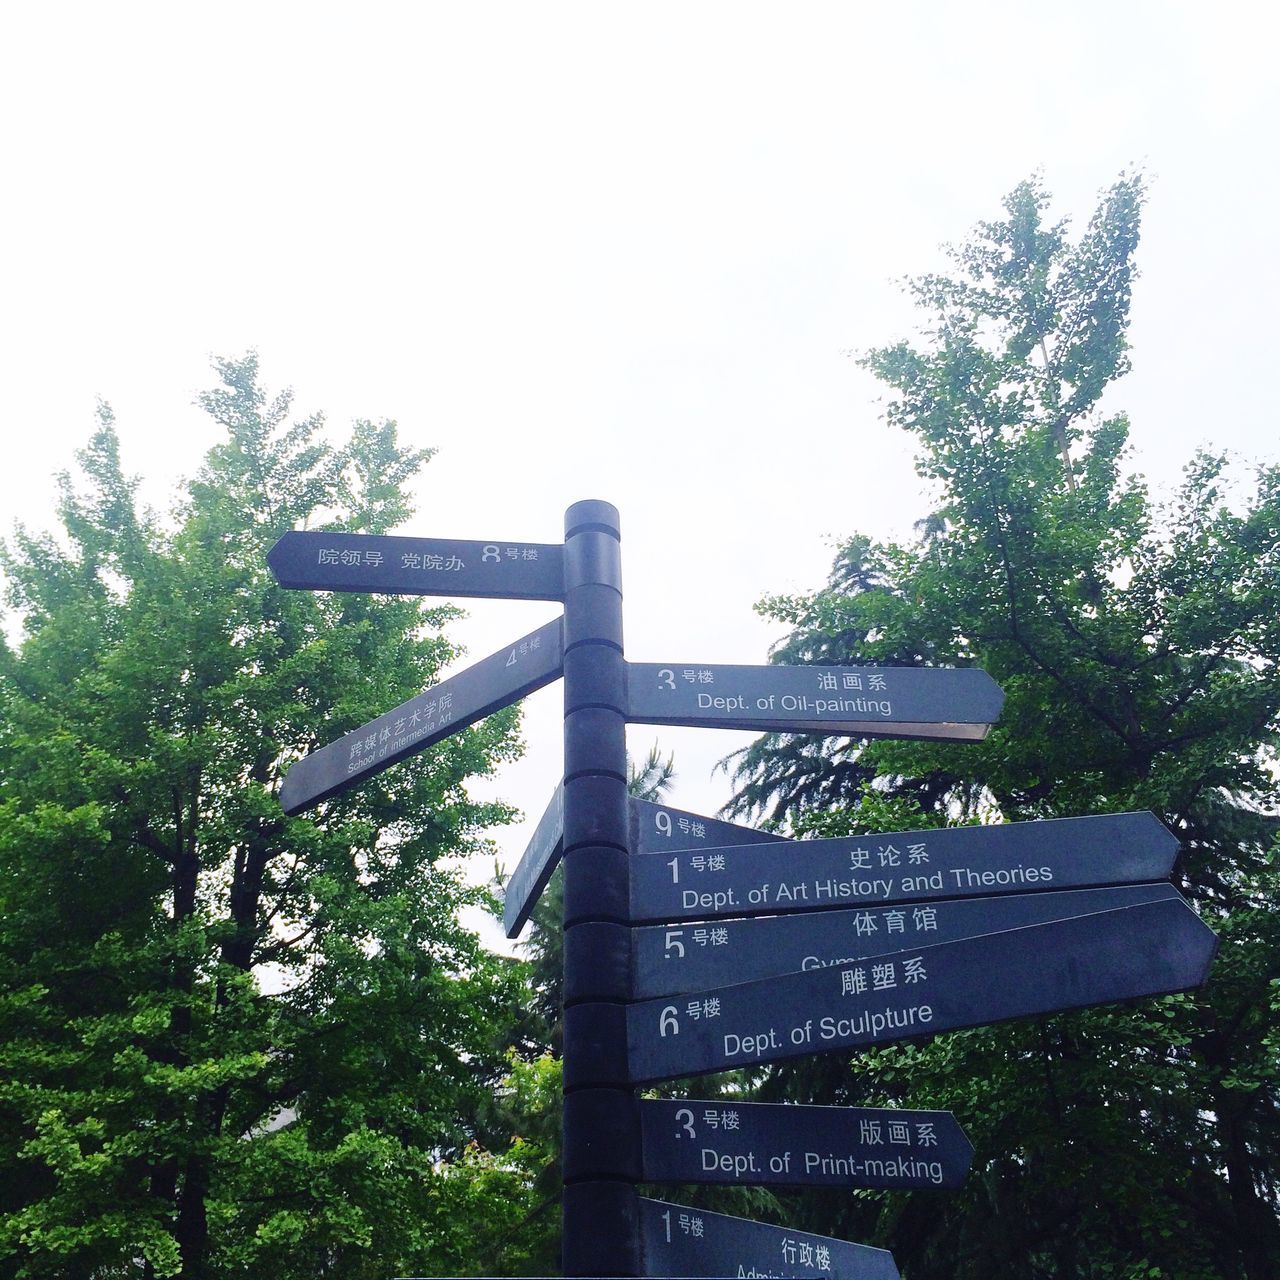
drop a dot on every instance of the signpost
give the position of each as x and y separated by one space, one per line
835 944
1146 950
318 561
901 866
680 1241
491 684
868 702
760 1143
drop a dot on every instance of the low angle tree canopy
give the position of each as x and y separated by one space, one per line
1137 641
237 1044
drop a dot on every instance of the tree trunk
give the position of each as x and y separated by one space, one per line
1257 1230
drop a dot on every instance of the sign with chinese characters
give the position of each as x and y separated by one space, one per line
652 826
1146 950
902 866
760 1143
489 685
680 1241
319 561
873 702
673 960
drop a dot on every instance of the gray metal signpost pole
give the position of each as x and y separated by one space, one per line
602 1159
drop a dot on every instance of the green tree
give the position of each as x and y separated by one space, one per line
235 1043
1137 643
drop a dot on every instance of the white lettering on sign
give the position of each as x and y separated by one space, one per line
711 937
738 1165
731 704
803 1253
491 553
692 899
751 1046
829 890
348 556
872 1022
716 1119
728 703
708 1008
832 1165
835 706
431 561
858 889
713 862
966 879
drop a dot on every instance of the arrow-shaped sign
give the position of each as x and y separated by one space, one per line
652 827
317 561
940 703
902 866
489 685
539 861
675 960
1152 949
679 1241
761 1143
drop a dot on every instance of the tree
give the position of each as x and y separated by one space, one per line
1137 644
236 1043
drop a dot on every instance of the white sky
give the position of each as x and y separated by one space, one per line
606 251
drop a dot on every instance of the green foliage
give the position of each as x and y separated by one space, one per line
1137 644
234 1043
654 777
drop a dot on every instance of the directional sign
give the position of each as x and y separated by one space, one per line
317 561
868 702
669 960
492 683
656 828
652 827
902 866
535 868
760 1143
680 1241
1145 950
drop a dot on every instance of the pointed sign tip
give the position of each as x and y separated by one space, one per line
1160 832
1200 944
275 555
290 801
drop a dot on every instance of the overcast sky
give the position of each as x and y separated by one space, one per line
607 251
